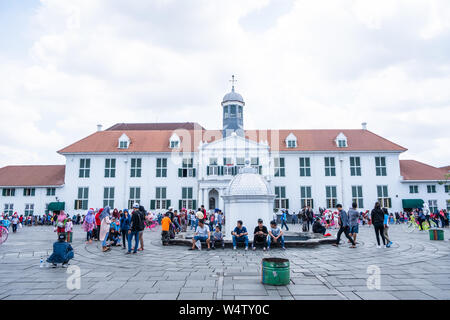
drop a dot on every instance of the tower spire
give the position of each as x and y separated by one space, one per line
233 81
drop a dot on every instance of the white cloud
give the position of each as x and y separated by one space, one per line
300 64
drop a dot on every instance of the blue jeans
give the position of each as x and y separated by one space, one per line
104 240
134 234
283 223
240 239
280 240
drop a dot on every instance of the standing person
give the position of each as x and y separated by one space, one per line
68 230
165 227
104 228
260 235
294 218
116 214
343 227
98 223
220 220
386 227
193 224
284 220
240 234
61 222
142 227
212 221
377 216
89 225
135 228
310 216
353 217
15 222
125 222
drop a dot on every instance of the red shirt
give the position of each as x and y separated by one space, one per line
97 219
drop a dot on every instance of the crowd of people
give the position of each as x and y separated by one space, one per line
330 219
124 228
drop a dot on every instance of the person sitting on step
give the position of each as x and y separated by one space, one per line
201 234
260 235
240 234
275 235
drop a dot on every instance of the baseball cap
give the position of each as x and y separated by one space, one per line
136 205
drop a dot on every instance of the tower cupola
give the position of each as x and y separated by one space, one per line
233 112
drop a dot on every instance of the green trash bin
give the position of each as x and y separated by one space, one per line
275 271
436 234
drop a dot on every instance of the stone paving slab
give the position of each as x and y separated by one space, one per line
167 273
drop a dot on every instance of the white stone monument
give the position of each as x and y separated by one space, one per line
248 197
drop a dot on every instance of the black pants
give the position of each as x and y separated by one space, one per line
345 230
213 242
259 239
165 237
124 238
379 231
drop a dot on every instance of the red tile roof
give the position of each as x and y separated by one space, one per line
415 170
156 126
158 140
24 176
447 168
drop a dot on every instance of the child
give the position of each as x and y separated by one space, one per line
217 237
69 226
114 235
165 227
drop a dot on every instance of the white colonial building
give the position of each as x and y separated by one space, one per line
184 165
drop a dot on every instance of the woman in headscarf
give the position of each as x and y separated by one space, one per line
116 214
104 228
98 222
61 223
89 224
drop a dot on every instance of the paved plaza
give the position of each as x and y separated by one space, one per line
413 268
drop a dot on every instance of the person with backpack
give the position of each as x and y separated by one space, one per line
377 215
344 227
135 228
142 214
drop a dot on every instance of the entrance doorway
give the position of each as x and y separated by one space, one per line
213 197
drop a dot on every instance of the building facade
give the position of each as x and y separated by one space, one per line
183 165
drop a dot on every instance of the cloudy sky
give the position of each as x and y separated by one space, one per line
66 66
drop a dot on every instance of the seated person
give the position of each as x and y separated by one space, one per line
62 252
217 236
114 237
260 235
201 234
318 227
275 235
240 234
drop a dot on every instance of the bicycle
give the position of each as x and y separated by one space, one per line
413 225
4 231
